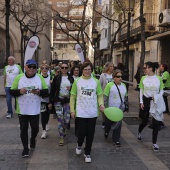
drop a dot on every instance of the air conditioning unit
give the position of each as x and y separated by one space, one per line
164 16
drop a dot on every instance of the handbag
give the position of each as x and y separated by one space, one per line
124 106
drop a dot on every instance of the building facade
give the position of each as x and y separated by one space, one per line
43 51
69 18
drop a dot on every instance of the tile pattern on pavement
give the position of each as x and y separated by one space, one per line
49 155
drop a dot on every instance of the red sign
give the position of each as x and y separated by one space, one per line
32 44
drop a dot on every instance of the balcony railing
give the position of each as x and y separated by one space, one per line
135 26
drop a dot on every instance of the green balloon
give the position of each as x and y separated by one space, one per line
114 114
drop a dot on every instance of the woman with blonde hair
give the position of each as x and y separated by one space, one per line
105 78
45 115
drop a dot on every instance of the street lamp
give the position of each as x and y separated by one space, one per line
130 5
94 36
25 30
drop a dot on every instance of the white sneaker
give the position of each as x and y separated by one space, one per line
139 136
155 147
9 116
47 127
78 150
44 134
87 158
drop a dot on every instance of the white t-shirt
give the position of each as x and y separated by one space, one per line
109 78
150 85
86 91
113 95
28 103
11 72
64 92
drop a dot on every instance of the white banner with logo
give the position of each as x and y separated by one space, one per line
32 45
79 52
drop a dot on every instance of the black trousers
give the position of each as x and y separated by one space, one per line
24 121
116 130
155 123
86 128
166 104
45 117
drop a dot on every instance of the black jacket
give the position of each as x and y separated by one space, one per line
55 87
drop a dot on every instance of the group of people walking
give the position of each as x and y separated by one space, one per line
74 92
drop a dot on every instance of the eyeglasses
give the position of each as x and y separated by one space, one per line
64 67
87 70
44 68
76 70
118 77
32 66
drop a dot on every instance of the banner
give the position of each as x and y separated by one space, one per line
32 45
79 52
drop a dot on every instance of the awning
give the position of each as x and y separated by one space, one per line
159 36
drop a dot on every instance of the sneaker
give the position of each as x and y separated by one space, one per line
118 144
106 135
33 144
155 147
9 116
103 125
25 153
47 127
139 136
44 134
61 142
78 150
87 158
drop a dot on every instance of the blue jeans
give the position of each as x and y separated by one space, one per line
9 100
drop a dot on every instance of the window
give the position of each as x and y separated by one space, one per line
105 33
62 45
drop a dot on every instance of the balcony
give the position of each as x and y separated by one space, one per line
136 28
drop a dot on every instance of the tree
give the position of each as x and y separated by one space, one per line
115 14
142 22
76 27
31 14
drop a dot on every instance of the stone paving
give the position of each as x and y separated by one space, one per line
133 155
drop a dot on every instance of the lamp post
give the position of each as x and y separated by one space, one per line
7 5
130 5
94 36
25 30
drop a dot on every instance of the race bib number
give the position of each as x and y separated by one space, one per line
58 109
87 93
43 107
29 89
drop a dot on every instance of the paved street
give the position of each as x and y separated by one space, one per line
133 155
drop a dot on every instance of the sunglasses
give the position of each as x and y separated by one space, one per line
64 67
32 66
44 68
76 70
118 76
